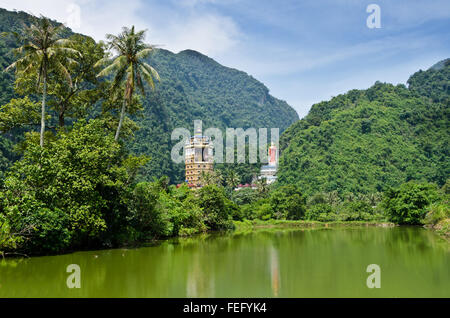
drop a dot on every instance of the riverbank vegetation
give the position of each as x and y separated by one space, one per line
51 212
75 184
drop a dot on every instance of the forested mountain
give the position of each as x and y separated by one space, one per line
367 140
433 83
192 86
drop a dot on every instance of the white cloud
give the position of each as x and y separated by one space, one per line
175 30
96 17
302 91
192 3
291 47
417 12
288 61
209 34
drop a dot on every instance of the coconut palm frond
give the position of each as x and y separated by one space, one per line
68 51
118 78
104 61
148 77
151 70
61 69
117 64
128 65
10 67
142 54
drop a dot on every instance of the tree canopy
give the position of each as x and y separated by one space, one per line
366 141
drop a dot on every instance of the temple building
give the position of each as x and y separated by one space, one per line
269 171
198 153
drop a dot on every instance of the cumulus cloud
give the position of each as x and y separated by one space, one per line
304 51
209 34
173 29
96 18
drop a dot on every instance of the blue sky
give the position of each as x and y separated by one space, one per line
303 51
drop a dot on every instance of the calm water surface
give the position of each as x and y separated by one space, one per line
268 263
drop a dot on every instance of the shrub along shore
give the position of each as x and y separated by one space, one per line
75 185
150 211
258 224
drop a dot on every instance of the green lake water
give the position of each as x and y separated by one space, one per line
327 262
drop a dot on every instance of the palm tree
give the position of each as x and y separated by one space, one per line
262 186
210 178
128 66
232 178
43 51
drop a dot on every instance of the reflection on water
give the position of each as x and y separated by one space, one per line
199 284
274 271
328 262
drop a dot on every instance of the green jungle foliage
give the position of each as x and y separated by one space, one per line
288 203
434 83
410 203
192 86
84 189
366 141
72 193
11 22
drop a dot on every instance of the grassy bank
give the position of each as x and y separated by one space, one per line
255 224
442 228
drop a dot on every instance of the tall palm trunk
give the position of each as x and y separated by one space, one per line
122 115
44 96
61 119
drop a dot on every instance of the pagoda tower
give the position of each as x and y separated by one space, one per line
269 171
198 153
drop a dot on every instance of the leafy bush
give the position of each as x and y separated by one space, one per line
264 210
149 218
162 211
73 192
8 241
328 217
318 211
355 211
288 202
245 196
437 212
407 204
50 230
216 207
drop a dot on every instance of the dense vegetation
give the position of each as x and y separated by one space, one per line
74 185
433 83
374 155
411 203
366 141
192 86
